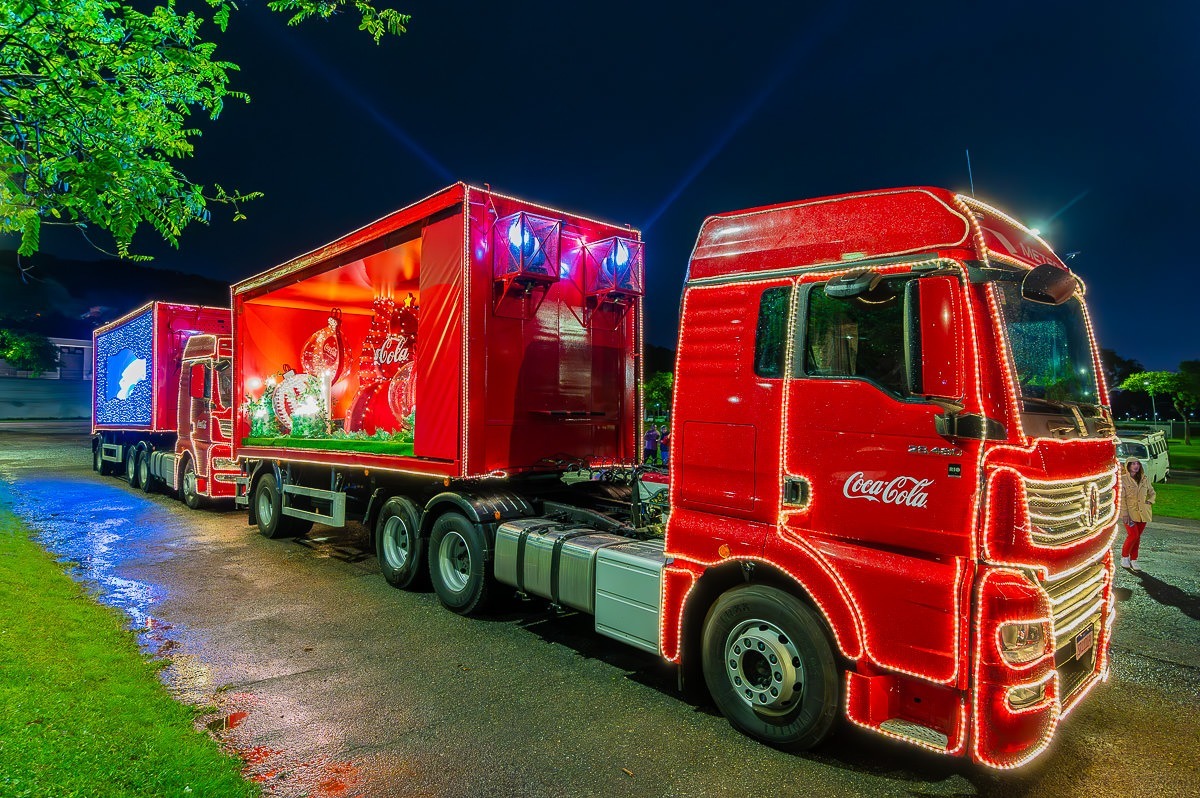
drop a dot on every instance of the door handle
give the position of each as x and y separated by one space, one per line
795 491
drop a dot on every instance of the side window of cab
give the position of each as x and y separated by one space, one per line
873 336
771 332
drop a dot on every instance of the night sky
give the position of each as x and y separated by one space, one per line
1081 120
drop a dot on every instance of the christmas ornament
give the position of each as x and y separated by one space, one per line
292 390
324 352
402 390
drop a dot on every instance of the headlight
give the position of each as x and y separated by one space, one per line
1023 642
1025 697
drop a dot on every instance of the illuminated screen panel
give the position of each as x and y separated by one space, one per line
123 386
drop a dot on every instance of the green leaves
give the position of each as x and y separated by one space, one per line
27 351
95 97
374 21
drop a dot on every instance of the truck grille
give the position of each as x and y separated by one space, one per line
226 425
1076 605
1063 512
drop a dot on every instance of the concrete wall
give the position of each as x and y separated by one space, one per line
21 397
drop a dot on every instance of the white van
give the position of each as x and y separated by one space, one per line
1150 448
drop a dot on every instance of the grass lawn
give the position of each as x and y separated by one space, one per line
1186 457
1177 501
82 712
336 444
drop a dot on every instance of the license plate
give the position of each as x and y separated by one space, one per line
1084 640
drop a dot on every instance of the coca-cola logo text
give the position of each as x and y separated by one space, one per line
392 354
903 490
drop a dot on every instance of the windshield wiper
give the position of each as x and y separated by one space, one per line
1073 410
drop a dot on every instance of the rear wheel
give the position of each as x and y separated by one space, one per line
98 458
131 474
457 564
770 668
268 509
399 545
189 487
145 478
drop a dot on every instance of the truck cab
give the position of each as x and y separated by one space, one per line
203 465
893 486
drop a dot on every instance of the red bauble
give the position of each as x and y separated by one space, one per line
324 353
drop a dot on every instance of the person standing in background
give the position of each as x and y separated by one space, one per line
651 445
1137 496
664 445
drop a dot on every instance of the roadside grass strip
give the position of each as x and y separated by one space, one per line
82 711
1177 501
1186 458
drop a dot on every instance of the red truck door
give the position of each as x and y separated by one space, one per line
867 481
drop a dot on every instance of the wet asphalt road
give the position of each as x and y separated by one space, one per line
331 683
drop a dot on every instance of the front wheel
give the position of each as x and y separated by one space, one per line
457 564
399 545
190 487
770 668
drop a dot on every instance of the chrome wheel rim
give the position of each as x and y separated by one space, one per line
266 510
144 471
454 561
130 467
764 667
397 542
189 483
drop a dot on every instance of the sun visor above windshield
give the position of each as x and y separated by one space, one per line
1007 237
849 227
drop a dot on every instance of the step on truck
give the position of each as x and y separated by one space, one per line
162 409
893 476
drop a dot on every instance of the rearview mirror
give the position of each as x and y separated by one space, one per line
935 358
1048 285
198 381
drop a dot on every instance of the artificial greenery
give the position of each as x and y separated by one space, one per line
96 104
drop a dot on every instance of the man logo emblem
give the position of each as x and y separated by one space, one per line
1093 504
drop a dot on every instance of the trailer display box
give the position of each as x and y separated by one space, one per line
138 360
470 334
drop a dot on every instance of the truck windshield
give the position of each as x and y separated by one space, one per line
1050 347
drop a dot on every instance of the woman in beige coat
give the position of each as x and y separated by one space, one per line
1137 495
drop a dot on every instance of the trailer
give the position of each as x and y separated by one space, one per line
162 400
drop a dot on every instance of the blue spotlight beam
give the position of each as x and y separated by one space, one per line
805 44
1064 208
347 89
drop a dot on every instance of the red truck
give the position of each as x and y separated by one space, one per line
162 410
893 476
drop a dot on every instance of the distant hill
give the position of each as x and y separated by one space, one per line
70 298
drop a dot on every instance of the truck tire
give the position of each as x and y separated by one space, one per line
399 545
189 490
770 668
268 507
457 564
145 479
98 459
131 474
